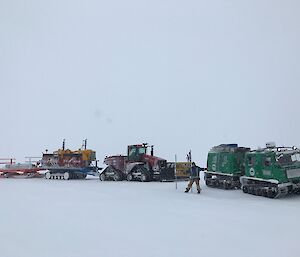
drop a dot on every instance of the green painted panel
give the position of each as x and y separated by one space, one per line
267 165
226 160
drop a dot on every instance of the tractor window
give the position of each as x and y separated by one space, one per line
251 161
132 151
267 161
142 150
135 153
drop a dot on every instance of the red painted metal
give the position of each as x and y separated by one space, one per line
117 161
152 160
11 169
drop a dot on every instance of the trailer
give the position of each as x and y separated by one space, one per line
11 169
67 164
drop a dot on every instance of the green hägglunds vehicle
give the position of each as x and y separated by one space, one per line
272 172
225 166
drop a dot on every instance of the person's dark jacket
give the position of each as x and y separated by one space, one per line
195 172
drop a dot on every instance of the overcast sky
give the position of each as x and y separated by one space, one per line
177 74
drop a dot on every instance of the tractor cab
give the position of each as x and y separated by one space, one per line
136 152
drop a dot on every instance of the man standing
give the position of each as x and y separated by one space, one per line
194 177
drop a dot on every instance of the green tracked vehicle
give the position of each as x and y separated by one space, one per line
272 172
225 166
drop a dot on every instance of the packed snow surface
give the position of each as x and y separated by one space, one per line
90 218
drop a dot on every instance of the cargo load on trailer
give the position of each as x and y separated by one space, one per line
225 166
11 169
67 164
272 171
172 173
136 165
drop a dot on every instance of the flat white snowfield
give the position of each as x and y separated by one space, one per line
90 218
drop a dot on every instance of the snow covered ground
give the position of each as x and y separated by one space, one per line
50 218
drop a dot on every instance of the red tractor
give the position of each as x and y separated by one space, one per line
137 165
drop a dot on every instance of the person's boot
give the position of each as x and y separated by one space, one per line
187 190
199 191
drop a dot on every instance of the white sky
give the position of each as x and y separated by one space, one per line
178 74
